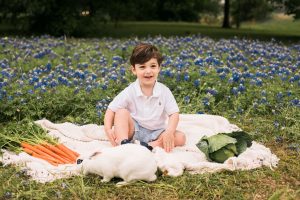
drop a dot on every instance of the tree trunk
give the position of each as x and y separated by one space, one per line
238 15
226 23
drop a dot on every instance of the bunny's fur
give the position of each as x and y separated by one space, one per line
130 162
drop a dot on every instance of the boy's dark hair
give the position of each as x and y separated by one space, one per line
144 52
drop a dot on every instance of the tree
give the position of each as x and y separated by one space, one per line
291 7
226 20
56 17
13 12
250 10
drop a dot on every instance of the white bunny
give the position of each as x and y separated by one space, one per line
130 162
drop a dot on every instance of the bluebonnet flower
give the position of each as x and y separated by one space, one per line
212 91
117 59
76 56
88 88
276 124
203 72
10 98
99 113
186 77
279 95
242 81
187 99
104 86
278 139
76 90
295 102
43 89
235 91
240 110
263 100
292 79
198 61
236 77
205 101
167 72
259 82
53 83
222 75
196 83
122 70
241 88
113 76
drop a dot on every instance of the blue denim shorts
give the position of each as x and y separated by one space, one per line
145 135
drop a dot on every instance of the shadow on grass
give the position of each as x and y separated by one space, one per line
167 29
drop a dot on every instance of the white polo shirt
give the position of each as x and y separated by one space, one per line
150 112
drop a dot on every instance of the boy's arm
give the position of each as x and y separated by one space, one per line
169 134
108 123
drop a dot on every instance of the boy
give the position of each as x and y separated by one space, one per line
140 111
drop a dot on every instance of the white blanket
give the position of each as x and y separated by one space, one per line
88 138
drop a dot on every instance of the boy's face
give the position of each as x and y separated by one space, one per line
147 72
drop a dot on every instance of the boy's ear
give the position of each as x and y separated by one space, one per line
133 70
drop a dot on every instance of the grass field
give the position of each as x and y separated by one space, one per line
253 83
286 30
281 28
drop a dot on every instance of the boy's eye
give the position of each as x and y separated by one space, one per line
142 67
153 66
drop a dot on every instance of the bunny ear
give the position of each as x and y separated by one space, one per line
95 154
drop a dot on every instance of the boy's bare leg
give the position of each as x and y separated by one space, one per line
123 125
179 140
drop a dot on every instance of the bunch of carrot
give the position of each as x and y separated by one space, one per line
54 154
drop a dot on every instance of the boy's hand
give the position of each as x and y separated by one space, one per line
112 137
168 141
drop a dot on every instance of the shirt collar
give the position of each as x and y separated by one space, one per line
137 88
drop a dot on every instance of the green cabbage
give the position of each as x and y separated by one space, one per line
222 146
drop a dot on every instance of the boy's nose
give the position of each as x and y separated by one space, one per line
148 69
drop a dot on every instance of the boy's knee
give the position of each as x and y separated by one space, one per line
122 112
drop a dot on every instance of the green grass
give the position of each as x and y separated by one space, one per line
283 30
254 184
277 24
289 31
281 183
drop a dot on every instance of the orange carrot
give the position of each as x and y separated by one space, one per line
33 148
28 151
59 152
50 153
47 158
38 151
67 151
26 145
44 158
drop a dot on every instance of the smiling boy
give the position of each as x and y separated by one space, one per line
146 110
